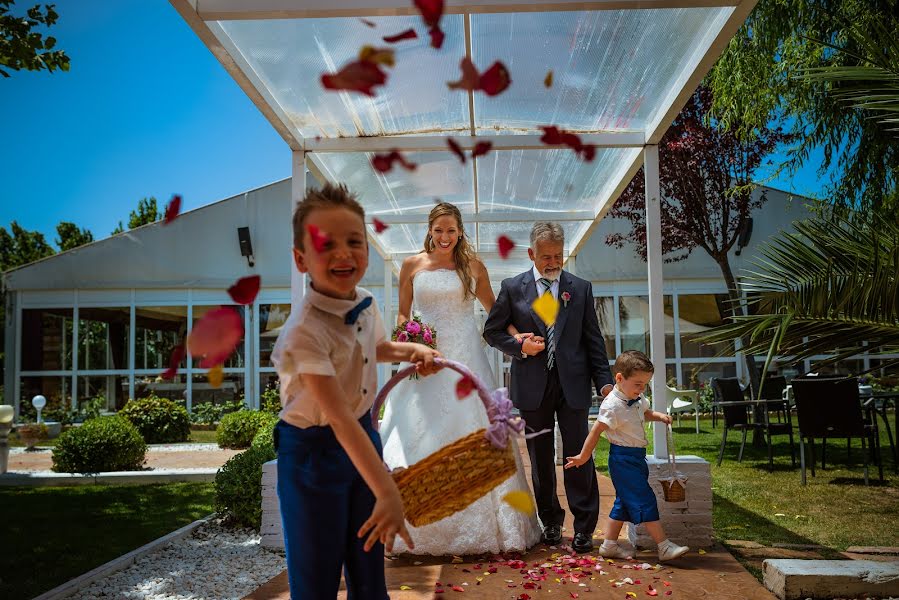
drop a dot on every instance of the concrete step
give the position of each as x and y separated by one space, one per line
792 579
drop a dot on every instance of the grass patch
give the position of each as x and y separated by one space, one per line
835 509
52 535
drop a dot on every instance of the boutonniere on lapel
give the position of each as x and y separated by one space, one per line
565 298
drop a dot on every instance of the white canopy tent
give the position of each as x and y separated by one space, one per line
622 70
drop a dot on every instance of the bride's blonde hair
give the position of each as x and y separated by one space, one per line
463 253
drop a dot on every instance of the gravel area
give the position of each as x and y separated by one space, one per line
213 563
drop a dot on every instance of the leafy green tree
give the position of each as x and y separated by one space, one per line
760 77
22 247
70 236
23 48
145 213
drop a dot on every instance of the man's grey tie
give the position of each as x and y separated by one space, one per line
550 339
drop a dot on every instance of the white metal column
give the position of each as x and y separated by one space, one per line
297 191
656 298
389 318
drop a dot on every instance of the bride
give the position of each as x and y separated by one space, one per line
424 415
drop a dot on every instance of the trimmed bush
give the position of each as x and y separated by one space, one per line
238 429
271 400
159 420
101 444
264 438
238 488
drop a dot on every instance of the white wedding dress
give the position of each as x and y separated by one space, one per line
421 416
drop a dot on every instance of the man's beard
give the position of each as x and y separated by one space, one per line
552 275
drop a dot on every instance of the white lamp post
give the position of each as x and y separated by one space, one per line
39 402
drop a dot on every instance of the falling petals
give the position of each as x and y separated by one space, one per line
547 308
216 376
174 360
456 149
504 245
481 149
215 336
493 81
379 56
319 239
172 209
380 226
245 289
437 37
383 163
553 136
520 501
431 11
368 23
409 34
464 387
548 80
359 76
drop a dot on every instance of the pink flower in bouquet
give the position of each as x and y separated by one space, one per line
402 337
413 328
427 337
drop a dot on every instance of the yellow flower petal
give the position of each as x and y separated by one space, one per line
520 501
382 56
216 376
546 308
405 587
457 560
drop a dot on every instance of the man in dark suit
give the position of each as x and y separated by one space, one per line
553 373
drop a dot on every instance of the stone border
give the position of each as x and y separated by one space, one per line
117 564
48 479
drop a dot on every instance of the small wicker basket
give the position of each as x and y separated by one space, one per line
673 487
455 476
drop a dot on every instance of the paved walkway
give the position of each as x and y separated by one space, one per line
553 572
164 457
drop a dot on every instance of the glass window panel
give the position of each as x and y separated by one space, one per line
605 313
700 373
290 55
113 389
548 180
697 313
671 375
232 389
889 372
103 338
613 69
56 390
152 385
520 233
47 339
158 329
633 313
236 360
271 318
852 366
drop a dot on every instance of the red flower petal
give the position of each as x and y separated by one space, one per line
458 588
371 24
380 226
548 80
359 76
504 244
319 239
174 360
431 11
215 336
172 209
245 289
481 148
495 80
553 136
469 80
437 37
464 387
456 148
383 163
651 591
409 34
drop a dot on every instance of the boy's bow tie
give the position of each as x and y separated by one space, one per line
632 402
353 315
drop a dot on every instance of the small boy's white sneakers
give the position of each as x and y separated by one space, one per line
613 550
668 550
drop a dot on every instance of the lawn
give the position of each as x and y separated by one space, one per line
751 502
51 535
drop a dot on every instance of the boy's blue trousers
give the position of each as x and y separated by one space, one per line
324 501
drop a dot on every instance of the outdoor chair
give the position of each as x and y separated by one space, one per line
773 390
680 401
728 389
830 408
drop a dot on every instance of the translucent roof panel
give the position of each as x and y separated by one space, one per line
612 69
519 232
290 55
547 180
438 176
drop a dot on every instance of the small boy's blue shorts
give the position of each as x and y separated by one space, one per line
635 501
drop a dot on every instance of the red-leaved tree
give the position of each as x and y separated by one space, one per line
706 184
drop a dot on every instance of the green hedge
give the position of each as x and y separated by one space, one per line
159 420
238 429
101 444
238 487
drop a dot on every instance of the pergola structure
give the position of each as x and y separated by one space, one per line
622 70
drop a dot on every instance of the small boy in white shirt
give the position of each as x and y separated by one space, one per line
621 416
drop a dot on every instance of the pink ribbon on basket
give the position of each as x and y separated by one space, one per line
502 423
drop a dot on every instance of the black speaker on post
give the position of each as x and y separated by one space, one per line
246 246
745 235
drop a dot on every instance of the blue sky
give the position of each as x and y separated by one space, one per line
145 110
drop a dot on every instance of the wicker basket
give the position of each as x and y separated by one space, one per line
455 476
673 487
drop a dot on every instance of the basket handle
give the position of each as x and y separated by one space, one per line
672 461
483 393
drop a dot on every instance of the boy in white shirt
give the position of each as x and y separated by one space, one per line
339 505
621 416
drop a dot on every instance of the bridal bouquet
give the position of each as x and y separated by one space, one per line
414 330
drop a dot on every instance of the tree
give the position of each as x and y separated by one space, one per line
22 247
758 78
706 179
146 213
23 48
70 236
